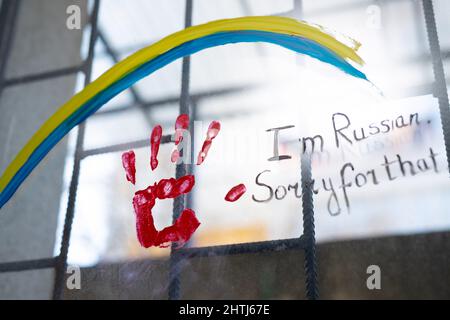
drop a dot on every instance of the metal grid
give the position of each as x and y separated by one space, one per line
187 104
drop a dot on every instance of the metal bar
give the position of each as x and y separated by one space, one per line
178 203
176 99
123 146
189 201
297 11
312 291
61 265
115 57
439 75
188 253
25 265
243 248
129 48
43 76
8 19
192 119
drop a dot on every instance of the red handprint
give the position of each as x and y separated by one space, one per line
144 200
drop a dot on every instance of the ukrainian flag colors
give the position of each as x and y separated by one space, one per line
294 35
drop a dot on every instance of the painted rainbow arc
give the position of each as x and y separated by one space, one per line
294 35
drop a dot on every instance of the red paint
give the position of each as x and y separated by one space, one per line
181 231
172 188
144 201
175 155
155 141
236 192
129 164
213 131
181 124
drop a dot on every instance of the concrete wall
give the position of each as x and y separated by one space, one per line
28 222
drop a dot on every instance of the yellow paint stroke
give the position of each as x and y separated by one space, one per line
274 24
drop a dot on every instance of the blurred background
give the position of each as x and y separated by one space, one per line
399 224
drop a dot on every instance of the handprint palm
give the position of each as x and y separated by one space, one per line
144 200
